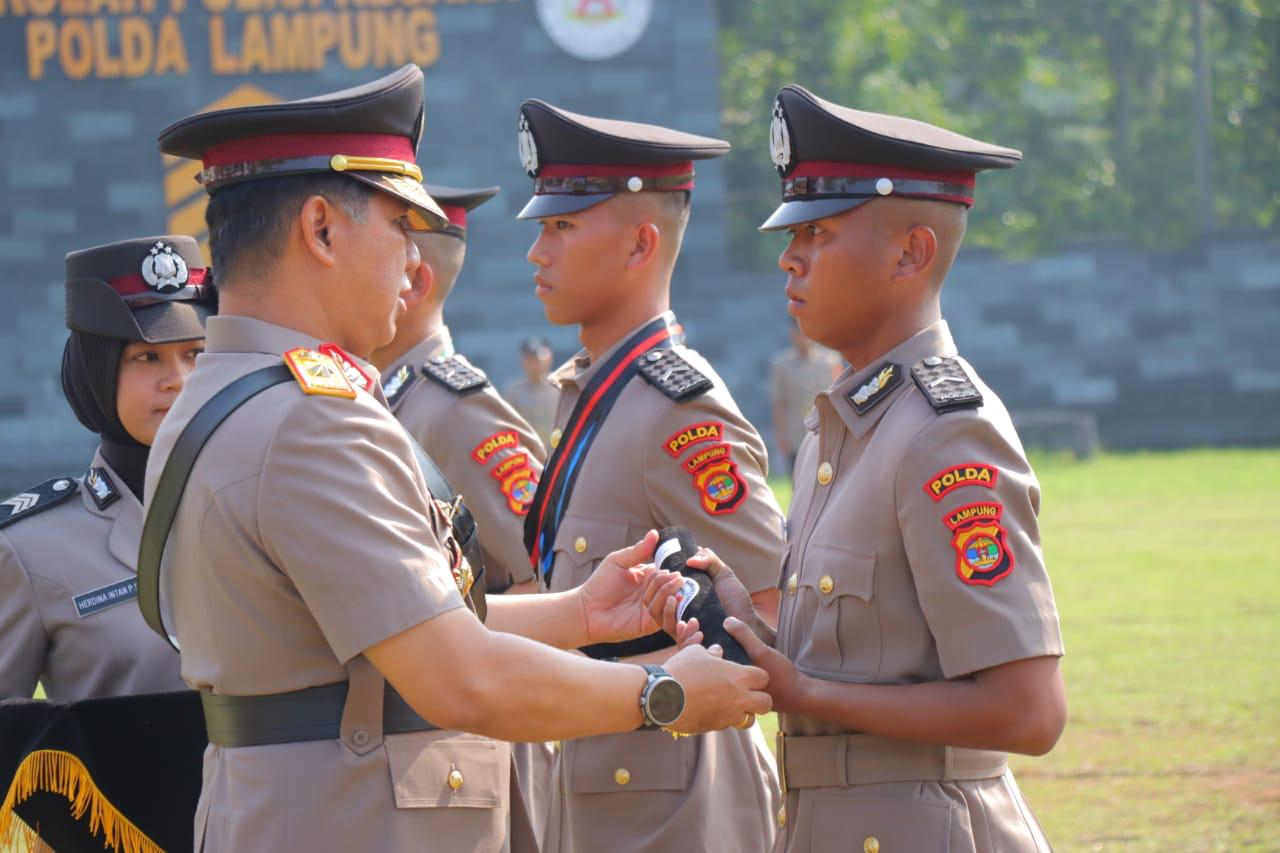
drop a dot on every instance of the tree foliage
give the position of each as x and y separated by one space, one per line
1098 95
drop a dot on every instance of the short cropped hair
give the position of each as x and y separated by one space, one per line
249 222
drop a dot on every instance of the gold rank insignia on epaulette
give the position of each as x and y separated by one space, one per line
318 373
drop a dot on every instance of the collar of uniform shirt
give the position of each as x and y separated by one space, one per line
579 369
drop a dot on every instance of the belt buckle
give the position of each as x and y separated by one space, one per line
780 744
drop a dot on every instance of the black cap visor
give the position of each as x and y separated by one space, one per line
171 322
800 211
430 216
554 204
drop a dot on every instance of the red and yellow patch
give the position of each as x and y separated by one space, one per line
714 453
944 482
354 373
981 543
498 441
512 463
318 374
721 487
682 440
520 486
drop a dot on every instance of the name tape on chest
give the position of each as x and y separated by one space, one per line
455 373
100 487
100 599
981 543
667 371
871 393
948 480
946 384
318 374
36 499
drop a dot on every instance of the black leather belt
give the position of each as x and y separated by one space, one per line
314 713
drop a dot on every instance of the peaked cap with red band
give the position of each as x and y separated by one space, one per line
369 132
153 289
578 161
457 202
833 159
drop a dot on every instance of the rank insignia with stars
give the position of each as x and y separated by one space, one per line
318 374
885 378
946 384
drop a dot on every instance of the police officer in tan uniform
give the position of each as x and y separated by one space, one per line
68 546
311 579
487 451
919 639
532 394
647 435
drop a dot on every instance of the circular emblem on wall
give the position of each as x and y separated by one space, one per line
595 29
163 269
780 139
528 148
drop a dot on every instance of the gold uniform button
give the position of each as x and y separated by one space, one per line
782 818
622 776
580 544
826 584
825 473
455 778
555 437
871 845
792 583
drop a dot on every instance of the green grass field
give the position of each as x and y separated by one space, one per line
1167 576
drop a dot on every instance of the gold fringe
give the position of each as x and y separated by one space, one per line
62 773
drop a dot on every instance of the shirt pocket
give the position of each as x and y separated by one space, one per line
632 761
838 593
448 769
581 543
905 822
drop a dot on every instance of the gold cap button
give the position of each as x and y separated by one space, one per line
622 776
791 584
580 544
826 584
455 778
871 845
555 437
825 472
782 818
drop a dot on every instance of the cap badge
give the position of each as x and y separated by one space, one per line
780 139
163 269
528 148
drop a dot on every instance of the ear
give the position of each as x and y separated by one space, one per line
316 220
645 246
919 246
423 283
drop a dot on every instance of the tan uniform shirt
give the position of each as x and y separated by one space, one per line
454 430
914 556
536 402
498 485
68 600
794 381
645 791
305 535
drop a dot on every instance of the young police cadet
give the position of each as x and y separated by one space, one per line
646 436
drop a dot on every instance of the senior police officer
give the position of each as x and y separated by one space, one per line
136 312
919 640
308 560
488 451
647 435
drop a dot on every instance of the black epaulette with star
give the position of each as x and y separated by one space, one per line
37 499
455 373
945 384
397 384
666 370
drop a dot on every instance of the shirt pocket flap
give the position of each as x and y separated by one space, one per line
448 769
584 540
896 823
835 571
634 761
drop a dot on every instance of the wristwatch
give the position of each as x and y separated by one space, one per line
662 700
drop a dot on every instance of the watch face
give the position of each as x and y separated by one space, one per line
666 701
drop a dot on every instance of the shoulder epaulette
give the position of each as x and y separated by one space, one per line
946 384
397 384
455 373
37 499
317 373
666 370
